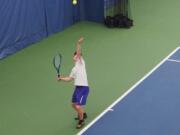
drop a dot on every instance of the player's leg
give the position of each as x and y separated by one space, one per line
82 98
78 100
80 110
74 106
76 109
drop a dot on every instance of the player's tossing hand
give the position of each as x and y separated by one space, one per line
80 40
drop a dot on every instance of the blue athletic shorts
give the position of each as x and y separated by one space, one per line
80 95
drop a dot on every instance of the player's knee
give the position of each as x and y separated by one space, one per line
78 106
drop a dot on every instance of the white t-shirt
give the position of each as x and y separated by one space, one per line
79 73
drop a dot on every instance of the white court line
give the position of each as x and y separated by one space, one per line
126 93
172 60
111 110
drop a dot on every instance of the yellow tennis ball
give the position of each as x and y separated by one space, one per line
74 2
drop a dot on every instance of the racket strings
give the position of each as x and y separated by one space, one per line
57 61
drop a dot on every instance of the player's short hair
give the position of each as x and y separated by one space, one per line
76 53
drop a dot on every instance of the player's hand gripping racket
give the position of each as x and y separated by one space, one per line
57 63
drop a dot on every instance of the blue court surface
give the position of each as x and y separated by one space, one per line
150 107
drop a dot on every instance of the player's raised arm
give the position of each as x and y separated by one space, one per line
78 47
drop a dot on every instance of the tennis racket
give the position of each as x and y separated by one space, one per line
57 63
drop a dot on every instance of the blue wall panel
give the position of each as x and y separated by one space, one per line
58 15
94 10
23 22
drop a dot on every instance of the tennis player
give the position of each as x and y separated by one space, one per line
78 74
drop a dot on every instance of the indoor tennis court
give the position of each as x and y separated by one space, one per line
33 102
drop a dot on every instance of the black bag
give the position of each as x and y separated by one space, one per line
128 23
109 21
119 21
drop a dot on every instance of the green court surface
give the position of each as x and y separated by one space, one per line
32 102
